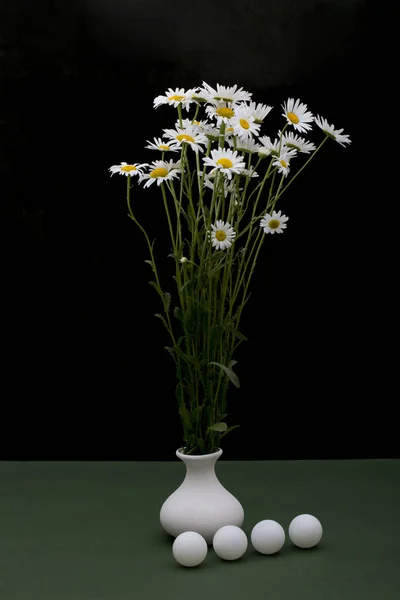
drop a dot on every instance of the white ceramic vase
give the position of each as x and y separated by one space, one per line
200 503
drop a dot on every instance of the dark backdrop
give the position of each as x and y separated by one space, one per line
84 371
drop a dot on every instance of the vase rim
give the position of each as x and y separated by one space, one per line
194 457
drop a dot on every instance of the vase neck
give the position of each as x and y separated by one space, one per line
200 467
199 458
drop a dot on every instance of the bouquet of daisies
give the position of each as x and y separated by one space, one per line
220 192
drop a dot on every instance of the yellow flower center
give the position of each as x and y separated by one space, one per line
184 137
128 168
245 124
293 118
273 224
229 129
163 147
160 172
196 123
225 163
220 235
176 98
225 112
283 163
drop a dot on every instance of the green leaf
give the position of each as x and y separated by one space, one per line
206 212
178 312
188 358
179 393
162 319
155 286
185 285
196 412
185 416
218 427
167 297
150 262
201 445
171 351
232 376
235 332
229 429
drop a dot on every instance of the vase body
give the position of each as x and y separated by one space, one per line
201 503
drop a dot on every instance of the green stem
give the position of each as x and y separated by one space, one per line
171 231
303 167
153 262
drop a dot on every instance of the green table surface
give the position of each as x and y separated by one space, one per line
91 531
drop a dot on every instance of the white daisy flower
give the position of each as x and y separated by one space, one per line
201 96
184 124
295 142
188 134
204 127
222 235
228 185
283 160
228 135
225 160
274 223
231 94
211 131
160 144
200 125
128 169
221 111
297 115
259 111
214 134
161 170
246 145
243 123
249 173
175 97
268 146
207 181
330 131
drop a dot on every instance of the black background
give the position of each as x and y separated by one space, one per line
84 372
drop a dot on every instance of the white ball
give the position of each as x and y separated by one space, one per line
267 536
305 531
189 549
230 542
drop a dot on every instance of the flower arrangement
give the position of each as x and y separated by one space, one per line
220 195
